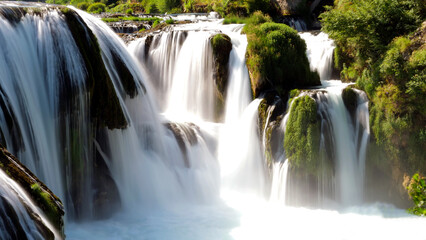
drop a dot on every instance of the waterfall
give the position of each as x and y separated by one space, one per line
181 69
39 62
127 136
19 216
279 182
320 53
343 140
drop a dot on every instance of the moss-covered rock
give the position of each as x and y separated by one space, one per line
276 59
48 202
222 46
302 135
350 99
104 104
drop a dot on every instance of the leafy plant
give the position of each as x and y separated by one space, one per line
417 191
96 8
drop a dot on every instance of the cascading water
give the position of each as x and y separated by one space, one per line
169 175
17 212
320 53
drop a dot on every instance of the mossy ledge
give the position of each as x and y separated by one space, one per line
302 135
48 202
222 46
350 99
276 59
104 104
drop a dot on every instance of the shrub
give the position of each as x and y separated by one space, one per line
83 6
96 8
152 8
129 11
417 191
276 57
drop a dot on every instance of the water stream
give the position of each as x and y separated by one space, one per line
179 173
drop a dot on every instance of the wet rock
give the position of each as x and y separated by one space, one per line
48 202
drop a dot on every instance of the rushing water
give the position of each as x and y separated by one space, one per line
179 174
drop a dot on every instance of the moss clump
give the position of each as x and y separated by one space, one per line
350 99
302 135
105 107
43 197
276 59
45 202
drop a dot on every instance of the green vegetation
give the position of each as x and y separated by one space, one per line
276 57
83 6
302 135
129 11
43 198
240 8
417 191
380 45
350 99
96 8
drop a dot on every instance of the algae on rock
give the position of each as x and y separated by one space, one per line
302 135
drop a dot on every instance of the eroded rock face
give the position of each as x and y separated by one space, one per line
222 47
45 199
289 6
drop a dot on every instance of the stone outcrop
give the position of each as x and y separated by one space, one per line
42 196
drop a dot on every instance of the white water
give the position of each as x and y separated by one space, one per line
320 53
19 201
162 198
32 57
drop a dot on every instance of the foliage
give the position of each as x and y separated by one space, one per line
152 8
170 21
276 57
122 8
129 11
83 6
380 46
417 191
365 28
96 8
302 134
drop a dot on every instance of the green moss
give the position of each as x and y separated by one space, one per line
105 108
96 8
276 59
43 199
302 135
350 99
42 196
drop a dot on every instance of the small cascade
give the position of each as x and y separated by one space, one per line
240 154
319 52
180 64
19 216
279 182
146 151
343 138
39 61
